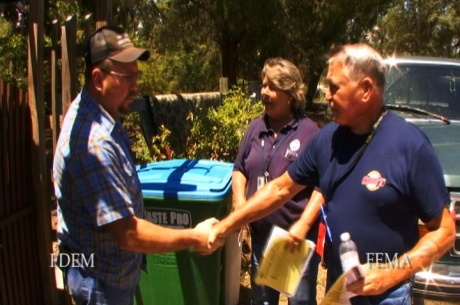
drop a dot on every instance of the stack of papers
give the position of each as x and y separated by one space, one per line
281 268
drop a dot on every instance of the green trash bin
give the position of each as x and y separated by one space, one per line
181 193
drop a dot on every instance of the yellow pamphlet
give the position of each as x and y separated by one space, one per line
281 268
337 294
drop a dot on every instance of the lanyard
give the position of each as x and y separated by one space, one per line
266 163
333 184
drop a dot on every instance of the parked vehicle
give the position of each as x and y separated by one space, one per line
426 91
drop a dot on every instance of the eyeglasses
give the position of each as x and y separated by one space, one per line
129 77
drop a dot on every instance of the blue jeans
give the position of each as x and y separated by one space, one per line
86 290
401 295
263 295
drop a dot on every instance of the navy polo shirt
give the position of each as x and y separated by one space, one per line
261 152
397 180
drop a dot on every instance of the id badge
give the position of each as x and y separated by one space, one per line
260 182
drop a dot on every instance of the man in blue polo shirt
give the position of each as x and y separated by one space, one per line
378 174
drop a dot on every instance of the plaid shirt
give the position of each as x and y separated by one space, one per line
96 183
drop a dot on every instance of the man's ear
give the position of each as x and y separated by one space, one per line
367 85
97 79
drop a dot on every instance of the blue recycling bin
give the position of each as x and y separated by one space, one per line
180 194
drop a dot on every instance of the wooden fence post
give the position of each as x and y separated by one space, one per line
103 12
55 112
223 85
39 169
69 75
88 28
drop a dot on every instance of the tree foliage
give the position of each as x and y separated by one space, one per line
420 27
248 32
194 42
184 58
317 26
13 43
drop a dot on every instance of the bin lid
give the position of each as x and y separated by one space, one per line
199 179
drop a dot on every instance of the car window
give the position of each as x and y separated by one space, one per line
435 88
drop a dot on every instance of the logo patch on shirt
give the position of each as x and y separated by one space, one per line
373 181
294 145
292 151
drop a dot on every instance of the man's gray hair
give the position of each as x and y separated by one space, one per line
361 60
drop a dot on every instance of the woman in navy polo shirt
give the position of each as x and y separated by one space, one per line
270 144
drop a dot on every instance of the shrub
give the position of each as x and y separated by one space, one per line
144 154
217 132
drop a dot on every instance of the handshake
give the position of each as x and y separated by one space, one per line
210 235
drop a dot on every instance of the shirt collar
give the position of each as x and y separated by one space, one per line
98 111
293 124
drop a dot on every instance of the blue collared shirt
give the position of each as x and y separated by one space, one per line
96 183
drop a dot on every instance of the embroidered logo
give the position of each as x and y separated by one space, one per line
373 181
292 151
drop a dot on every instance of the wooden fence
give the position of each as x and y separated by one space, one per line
20 277
25 183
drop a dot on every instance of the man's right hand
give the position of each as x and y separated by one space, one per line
216 237
203 230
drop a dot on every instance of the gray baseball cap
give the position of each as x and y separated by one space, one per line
114 43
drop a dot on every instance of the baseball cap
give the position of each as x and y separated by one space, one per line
114 43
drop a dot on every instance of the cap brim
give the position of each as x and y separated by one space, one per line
131 54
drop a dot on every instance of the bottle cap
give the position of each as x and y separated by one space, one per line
345 236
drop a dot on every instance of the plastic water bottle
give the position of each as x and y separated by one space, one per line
350 259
